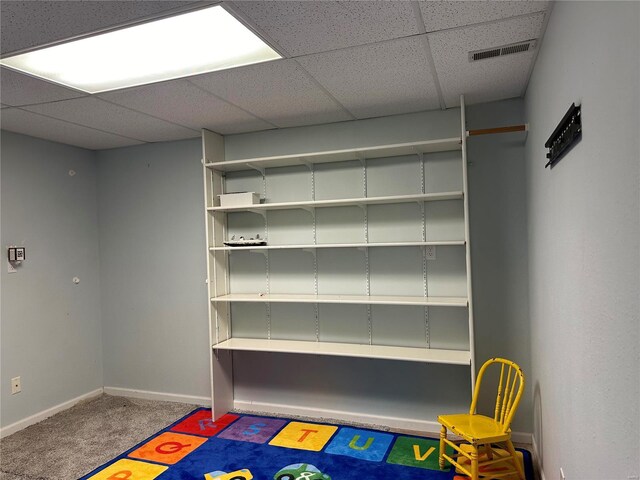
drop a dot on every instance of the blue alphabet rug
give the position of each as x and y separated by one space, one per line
243 447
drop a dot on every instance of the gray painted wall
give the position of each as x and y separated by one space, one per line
50 327
152 270
498 225
152 276
584 244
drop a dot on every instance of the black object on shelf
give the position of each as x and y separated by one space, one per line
565 136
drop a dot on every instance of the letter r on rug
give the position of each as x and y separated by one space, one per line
201 423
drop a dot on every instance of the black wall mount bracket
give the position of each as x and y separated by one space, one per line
565 136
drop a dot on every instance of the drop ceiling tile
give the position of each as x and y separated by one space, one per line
303 27
439 15
181 102
95 113
280 92
28 123
27 24
489 79
380 79
17 89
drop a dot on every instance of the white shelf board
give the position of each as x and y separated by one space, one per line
412 148
351 299
340 245
419 197
412 354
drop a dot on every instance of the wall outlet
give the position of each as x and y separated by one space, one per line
562 477
16 386
430 252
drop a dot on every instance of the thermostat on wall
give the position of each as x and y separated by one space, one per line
16 254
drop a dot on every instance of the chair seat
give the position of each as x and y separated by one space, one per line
476 429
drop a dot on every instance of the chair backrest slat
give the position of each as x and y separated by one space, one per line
505 400
499 396
509 392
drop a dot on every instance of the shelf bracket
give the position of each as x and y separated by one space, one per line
311 210
262 213
312 251
255 167
263 252
306 163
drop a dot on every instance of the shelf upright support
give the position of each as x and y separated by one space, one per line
263 213
424 247
267 305
465 189
220 362
365 214
313 251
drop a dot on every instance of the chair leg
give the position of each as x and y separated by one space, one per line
443 435
516 463
474 462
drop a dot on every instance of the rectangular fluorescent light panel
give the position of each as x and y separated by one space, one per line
196 42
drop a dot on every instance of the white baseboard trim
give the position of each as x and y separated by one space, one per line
355 417
522 437
49 412
166 397
536 457
409 424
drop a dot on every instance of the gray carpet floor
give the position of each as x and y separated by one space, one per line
74 442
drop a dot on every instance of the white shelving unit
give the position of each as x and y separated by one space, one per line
385 253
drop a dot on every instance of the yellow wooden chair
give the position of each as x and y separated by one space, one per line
476 455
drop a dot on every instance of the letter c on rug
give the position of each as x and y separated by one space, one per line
416 453
354 441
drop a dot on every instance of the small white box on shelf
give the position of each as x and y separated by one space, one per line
239 199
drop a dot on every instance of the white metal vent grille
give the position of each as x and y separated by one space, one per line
502 51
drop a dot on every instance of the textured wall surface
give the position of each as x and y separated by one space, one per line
51 334
584 250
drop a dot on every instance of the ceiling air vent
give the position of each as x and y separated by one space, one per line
502 51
